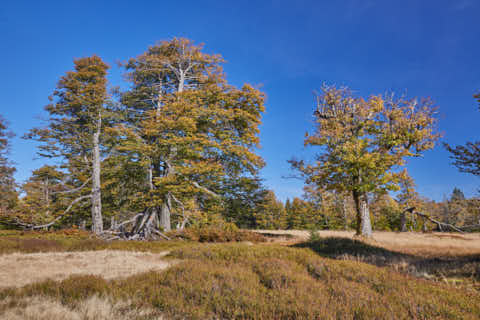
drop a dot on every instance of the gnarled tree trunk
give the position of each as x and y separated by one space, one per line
165 223
364 225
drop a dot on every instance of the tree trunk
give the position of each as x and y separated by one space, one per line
403 222
345 212
364 225
97 221
165 223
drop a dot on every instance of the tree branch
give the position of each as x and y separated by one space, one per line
205 189
438 223
73 190
33 226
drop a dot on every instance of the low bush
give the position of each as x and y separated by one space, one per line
216 234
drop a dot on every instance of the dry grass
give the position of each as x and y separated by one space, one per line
425 244
238 281
19 269
364 280
93 308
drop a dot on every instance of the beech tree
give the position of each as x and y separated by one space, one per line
466 158
270 212
8 194
44 196
364 143
74 129
191 131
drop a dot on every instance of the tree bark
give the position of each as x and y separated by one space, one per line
364 225
403 222
97 221
345 212
165 223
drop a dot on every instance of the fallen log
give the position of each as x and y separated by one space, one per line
440 225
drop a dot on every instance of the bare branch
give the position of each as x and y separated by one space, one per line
73 190
438 223
205 189
32 226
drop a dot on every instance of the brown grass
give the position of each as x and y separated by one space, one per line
425 244
364 280
20 269
93 308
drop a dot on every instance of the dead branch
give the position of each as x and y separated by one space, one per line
72 190
210 192
440 225
185 218
33 226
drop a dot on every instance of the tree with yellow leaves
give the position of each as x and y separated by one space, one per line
364 143
192 132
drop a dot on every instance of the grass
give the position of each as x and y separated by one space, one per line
255 281
77 240
463 269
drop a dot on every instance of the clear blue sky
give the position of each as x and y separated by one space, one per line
426 48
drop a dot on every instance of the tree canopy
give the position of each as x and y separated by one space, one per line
364 142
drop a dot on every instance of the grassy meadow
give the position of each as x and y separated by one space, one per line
241 275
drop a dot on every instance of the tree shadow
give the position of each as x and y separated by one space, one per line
460 267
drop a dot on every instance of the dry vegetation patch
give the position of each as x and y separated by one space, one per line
252 281
239 281
92 308
19 269
426 244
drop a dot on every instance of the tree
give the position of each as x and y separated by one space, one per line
457 195
45 196
8 194
271 212
407 198
192 132
75 127
364 142
466 158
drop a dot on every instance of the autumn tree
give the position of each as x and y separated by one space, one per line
328 209
8 194
364 142
467 157
407 198
45 196
74 129
190 130
270 212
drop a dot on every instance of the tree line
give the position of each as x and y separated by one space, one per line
178 148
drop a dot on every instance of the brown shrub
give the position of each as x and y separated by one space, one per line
214 234
235 281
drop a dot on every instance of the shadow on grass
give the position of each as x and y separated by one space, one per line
458 267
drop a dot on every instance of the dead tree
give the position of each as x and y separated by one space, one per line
442 227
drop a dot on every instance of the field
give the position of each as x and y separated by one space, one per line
288 275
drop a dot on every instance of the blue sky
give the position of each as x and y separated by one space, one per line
423 48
